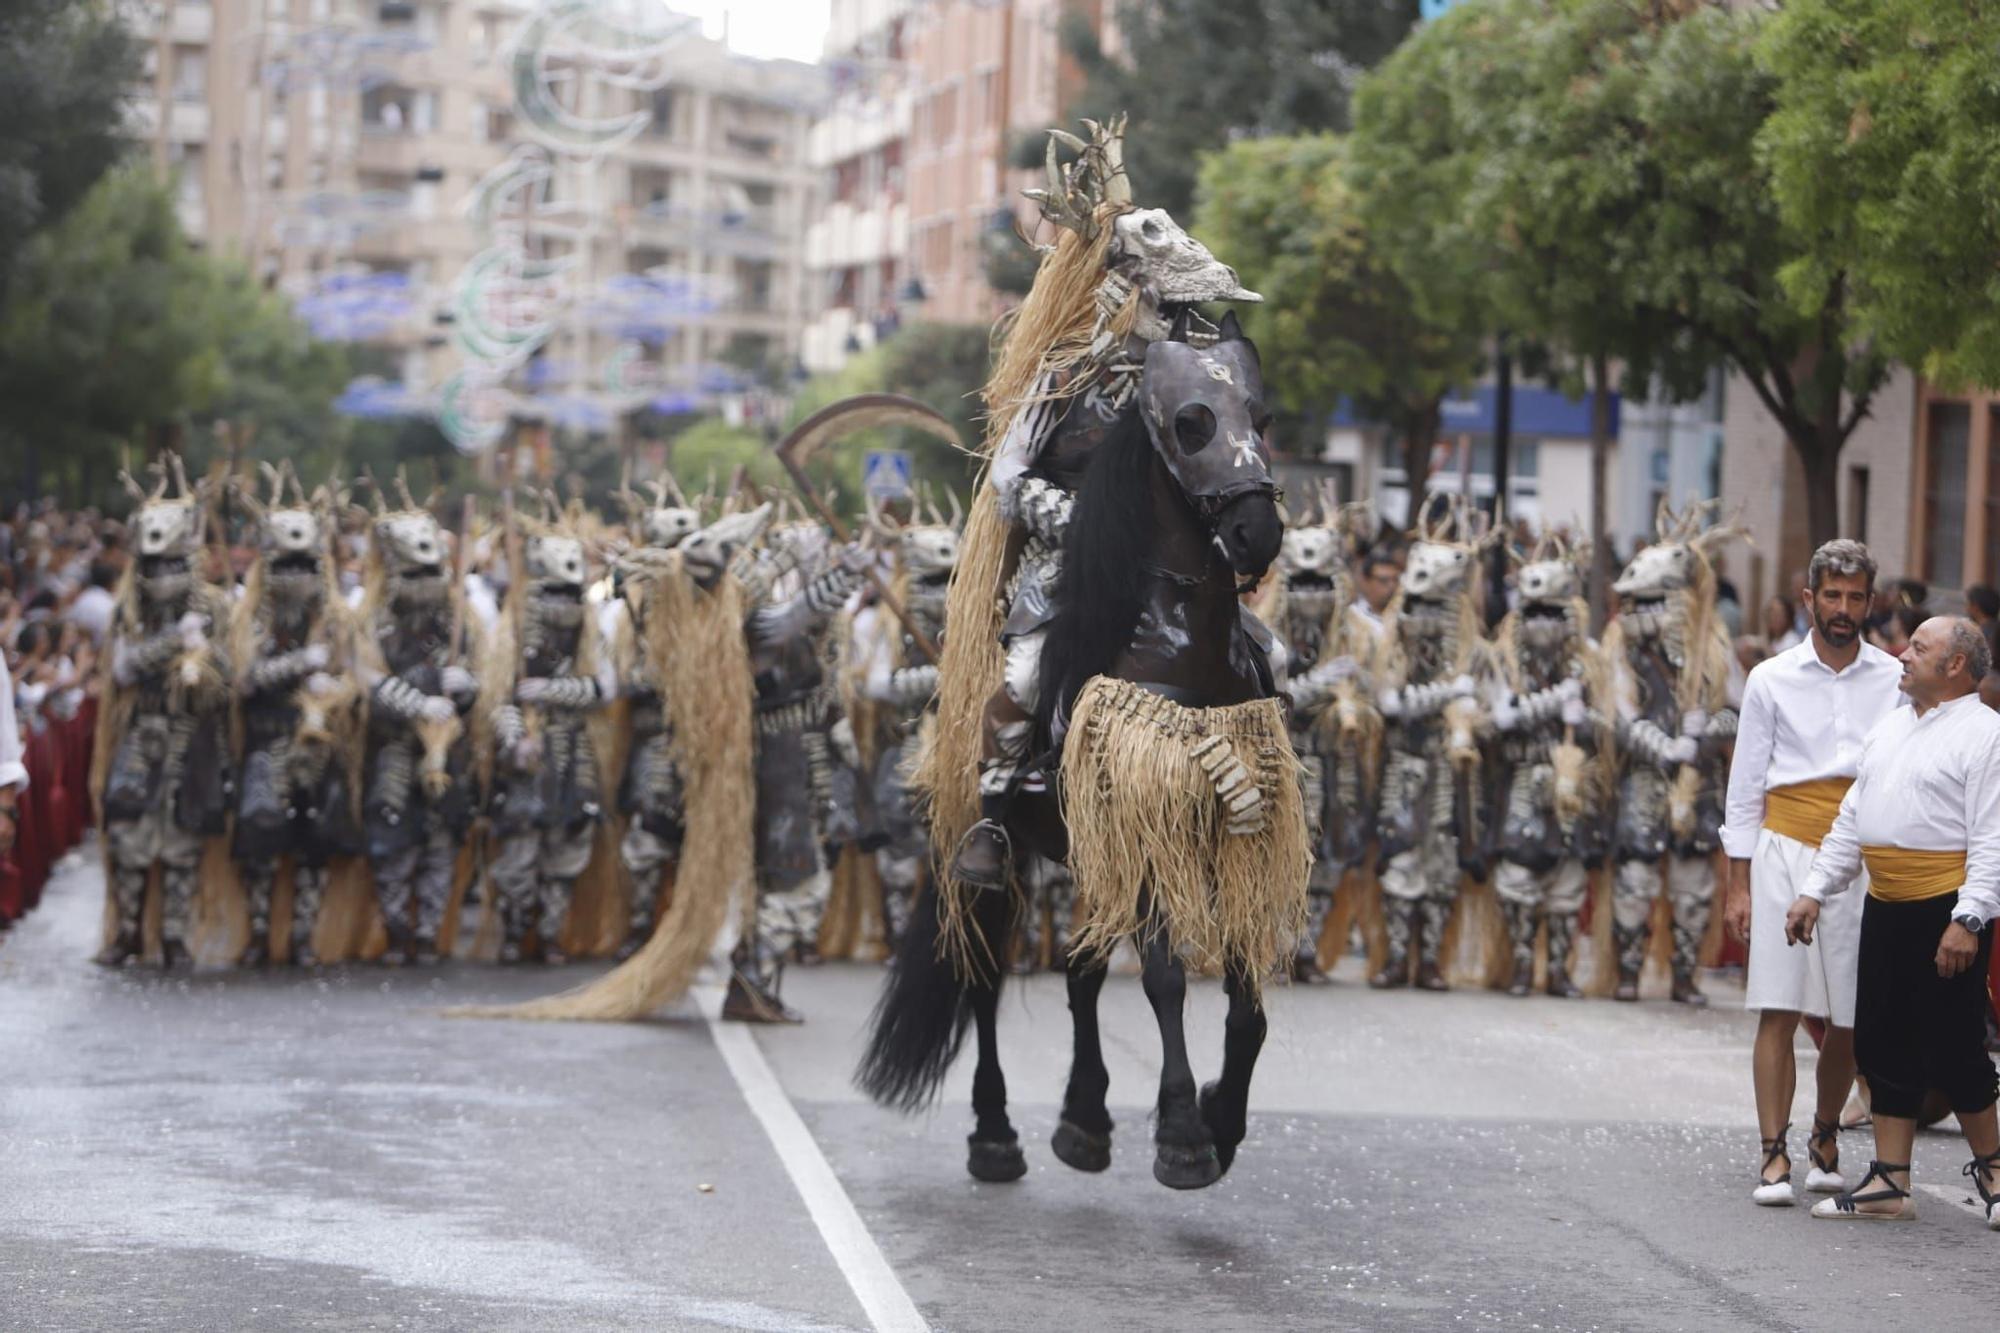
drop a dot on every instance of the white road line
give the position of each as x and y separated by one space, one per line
888 1306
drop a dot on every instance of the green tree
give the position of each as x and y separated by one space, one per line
1335 320
117 336
64 71
1884 159
1595 162
1195 76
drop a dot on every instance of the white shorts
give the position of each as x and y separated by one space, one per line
1817 978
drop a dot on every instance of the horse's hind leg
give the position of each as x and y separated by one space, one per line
1225 1103
993 1150
1083 1135
1183 1151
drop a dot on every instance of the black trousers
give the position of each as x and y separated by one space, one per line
1913 1029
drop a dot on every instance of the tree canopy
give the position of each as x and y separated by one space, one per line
1884 160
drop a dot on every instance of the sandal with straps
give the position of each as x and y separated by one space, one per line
1824 1177
1775 1193
1844 1207
1976 1170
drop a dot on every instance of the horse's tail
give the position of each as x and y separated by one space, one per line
919 1022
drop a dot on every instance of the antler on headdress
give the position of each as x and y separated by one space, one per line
1096 177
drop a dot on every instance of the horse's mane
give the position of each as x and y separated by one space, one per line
1099 594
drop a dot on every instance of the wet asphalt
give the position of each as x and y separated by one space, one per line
276 1151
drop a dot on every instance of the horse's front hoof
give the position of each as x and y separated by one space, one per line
1186 1167
996 1161
1080 1149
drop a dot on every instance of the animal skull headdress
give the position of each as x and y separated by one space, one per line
292 530
665 523
926 545
407 545
1444 551
553 551
1681 558
1317 546
169 529
1147 247
1553 573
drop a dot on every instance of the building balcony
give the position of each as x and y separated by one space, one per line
193 24
751 233
849 234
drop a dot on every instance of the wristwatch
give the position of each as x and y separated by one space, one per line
1972 924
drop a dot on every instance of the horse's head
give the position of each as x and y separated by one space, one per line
1204 411
709 552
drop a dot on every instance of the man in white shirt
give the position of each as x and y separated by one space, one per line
1376 585
1923 816
1805 713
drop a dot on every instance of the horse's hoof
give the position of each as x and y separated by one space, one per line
1186 1167
1225 1146
1081 1149
996 1161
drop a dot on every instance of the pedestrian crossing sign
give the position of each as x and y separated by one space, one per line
885 474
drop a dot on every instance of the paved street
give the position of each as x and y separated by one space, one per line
275 1151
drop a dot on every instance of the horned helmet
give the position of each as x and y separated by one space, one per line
1552 574
553 557
292 532
1679 559
1171 269
665 523
1444 551
167 530
926 544
408 546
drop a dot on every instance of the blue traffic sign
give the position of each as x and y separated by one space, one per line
885 474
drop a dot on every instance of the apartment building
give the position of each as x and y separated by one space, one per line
334 144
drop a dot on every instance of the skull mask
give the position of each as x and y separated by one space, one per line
555 564
1436 571
929 551
708 553
1657 572
1310 554
667 526
1548 583
1151 249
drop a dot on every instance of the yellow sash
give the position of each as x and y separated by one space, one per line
1900 875
1805 811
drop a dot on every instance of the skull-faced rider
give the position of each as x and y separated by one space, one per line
163 746
1153 273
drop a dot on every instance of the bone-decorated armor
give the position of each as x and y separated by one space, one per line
300 715
1673 670
1428 820
650 793
547 796
420 791
1553 781
163 737
1336 729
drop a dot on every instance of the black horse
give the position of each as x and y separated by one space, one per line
1177 514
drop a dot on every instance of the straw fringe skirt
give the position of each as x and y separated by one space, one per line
1149 847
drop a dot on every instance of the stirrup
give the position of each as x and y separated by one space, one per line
982 877
1844 1207
1774 1193
1990 1199
1824 1177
